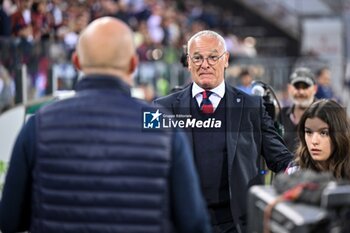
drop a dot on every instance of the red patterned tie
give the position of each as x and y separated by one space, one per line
206 105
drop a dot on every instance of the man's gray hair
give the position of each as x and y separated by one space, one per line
208 33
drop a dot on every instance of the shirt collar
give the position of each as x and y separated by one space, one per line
219 90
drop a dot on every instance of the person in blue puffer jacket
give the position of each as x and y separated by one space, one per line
86 163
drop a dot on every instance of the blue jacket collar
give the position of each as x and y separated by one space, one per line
97 82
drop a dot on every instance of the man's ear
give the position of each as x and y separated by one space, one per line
227 59
134 62
75 60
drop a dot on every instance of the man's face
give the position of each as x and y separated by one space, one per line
301 94
209 73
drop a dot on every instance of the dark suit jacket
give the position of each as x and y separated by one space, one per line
250 133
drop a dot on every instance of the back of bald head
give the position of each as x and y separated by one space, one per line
106 44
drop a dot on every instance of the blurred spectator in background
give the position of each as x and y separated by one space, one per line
245 81
324 135
162 27
6 90
9 6
148 90
324 90
154 23
5 22
40 20
21 20
301 88
22 30
70 38
54 8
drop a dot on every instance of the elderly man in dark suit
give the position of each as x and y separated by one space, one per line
227 155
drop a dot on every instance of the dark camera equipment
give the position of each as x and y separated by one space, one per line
259 88
285 217
183 58
269 97
308 203
264 90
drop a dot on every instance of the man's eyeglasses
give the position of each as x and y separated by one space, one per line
212 59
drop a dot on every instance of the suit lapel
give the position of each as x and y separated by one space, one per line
182 105
234 109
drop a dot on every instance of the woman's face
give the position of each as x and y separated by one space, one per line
317 139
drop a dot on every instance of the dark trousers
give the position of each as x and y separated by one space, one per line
227 227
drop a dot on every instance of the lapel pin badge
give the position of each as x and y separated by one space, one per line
238 100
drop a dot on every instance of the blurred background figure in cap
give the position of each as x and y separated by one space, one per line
302 89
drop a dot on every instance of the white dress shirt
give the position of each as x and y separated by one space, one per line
215 97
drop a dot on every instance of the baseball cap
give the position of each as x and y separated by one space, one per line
304 75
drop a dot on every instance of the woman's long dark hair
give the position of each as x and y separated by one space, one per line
335 116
